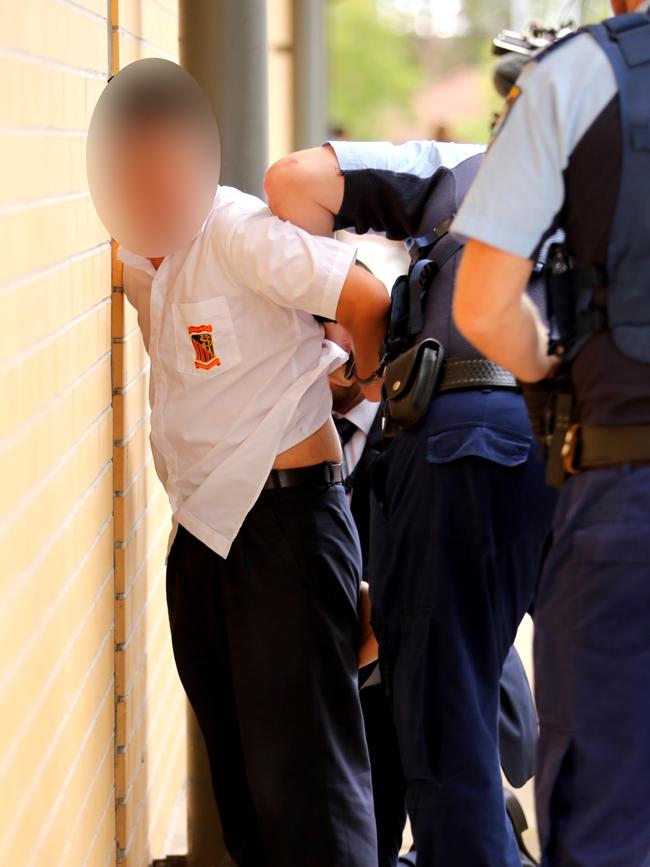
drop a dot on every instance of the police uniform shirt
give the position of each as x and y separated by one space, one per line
388 190
556 162
387 185
238 363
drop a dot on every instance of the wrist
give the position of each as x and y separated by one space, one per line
373 376
367 372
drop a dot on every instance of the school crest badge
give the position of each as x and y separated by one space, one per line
205 355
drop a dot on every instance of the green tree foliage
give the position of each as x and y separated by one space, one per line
372 68
375 69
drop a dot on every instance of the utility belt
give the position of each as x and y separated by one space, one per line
572 447
588 447
413 379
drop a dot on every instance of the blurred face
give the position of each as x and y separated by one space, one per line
153 158
162 186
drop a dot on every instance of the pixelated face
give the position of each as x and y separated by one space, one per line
153 158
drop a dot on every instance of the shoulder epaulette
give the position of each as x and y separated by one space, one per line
542 53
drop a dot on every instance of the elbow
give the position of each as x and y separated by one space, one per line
281 181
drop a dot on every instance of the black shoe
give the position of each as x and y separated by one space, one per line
518 819
408 858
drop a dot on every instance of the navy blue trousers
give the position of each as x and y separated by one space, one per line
454 559
388 784
592 663
265 643
517 747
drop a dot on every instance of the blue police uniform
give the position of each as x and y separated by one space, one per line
460 514
517 715
559 160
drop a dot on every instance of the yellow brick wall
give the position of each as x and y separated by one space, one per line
92 713
150 707
57 795
280 28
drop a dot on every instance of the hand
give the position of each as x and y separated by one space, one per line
368 647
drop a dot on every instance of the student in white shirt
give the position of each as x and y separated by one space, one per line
263 569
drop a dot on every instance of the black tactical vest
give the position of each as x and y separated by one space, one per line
425 308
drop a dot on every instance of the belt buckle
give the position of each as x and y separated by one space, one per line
571 449
332 469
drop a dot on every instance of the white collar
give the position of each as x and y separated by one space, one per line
643 7
135 260
362 415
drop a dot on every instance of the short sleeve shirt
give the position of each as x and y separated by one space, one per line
519 191
554 162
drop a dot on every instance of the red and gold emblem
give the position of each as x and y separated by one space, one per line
201 336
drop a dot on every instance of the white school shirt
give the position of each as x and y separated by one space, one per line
238 363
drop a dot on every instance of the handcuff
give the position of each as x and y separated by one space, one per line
350 371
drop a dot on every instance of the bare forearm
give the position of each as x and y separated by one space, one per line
362 311
493 312
517 340
367 335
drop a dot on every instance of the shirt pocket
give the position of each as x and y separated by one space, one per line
206 341
505 447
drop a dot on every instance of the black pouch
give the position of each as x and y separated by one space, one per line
410 382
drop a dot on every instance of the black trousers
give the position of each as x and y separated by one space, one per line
388 783
265 645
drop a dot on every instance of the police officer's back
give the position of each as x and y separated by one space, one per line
574 152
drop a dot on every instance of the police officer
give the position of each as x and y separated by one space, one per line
460 507
359 422
574 152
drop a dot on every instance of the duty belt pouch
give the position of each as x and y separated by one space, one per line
410 382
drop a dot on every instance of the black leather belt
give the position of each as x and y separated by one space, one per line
327 473
591 447
459 373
